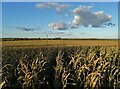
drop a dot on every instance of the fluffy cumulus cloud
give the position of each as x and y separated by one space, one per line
58 26
83 16
53 6
76 21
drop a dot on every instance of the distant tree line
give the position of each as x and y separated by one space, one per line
15 39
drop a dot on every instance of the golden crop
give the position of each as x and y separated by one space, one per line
61 68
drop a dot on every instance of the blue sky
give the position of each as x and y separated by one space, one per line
65 20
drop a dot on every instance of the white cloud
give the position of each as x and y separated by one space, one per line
58 26
83 16
52 5
76 21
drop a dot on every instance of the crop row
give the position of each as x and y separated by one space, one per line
60 68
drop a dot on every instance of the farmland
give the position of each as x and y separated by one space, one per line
36 43
60 64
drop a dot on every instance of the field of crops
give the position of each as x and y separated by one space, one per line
61 68
70 42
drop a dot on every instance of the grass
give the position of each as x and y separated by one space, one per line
87 67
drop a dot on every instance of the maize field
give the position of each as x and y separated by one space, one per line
83 67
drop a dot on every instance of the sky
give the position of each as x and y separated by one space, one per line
60 19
